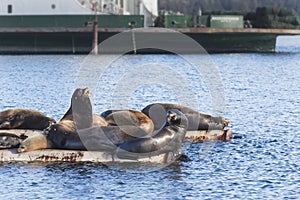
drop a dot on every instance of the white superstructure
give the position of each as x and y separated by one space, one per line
148 8
46 7
42 7
150 11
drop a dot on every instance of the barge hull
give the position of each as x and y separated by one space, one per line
79 40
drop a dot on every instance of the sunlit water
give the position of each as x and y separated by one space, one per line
262 101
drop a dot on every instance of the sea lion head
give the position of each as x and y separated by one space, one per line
176 118
58 134
11 118
81 93
35 142
81 99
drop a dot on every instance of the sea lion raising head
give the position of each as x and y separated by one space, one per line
80 112
79 116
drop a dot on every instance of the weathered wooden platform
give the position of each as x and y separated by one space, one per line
51 155
47 155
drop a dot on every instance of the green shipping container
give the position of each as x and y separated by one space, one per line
226 21
178 21
202 20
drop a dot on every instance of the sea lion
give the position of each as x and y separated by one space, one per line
197 120
128 117
79 116
167 139
21 118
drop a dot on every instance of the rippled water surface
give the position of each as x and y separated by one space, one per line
261 99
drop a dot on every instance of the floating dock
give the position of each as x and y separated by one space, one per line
47 155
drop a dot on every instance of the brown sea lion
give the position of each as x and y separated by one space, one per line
168 138
21 118
197 120
79 116
128 117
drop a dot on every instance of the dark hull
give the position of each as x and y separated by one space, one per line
79 40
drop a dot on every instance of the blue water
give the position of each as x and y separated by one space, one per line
261 99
